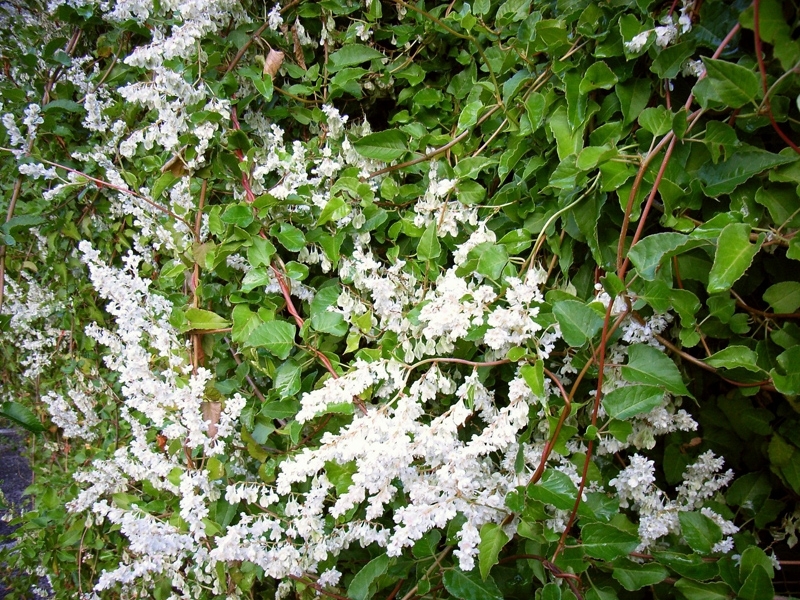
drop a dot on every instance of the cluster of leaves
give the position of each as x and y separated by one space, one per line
603 161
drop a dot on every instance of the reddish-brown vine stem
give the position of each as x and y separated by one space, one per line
240 155
550 444
287 296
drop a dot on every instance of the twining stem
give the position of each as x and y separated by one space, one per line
287 296
436 563
436 151
9 215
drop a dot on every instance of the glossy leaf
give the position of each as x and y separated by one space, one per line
731 84
276 336
783 297
700 532
734 256
350 55
650 366
606 542
469 585
555 488
694 590
384 145
21 415
578 322
429 246
647 254
493 539
633 576
205 319
735 357
724 177
631 400
360 586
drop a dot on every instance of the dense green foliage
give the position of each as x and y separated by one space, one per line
402 300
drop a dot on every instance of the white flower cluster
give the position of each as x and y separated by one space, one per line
196 19
436 207
658 514
451 309
440 474
514 325
32 329
666 33
150 360
74 424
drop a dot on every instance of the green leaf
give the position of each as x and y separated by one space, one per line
534 377
493 539
287 379
324 320
427 545
359 588
753 557
724 177
735 357
651 366
598 76
63 104
429 247
750 492
607 542
731 84
670 60
260 252
631 400
21 415
534 108
280 409
470 586
555 488
634 95
694 590
470 192
240 215
733 257
470 167
291 238
648 253
757 585
166 180
276 336
350 55
633 576
490 259
469 115
384 145
604 593
700 532
783 297
244 322
335 209
657 120
578 322
688 565
205 319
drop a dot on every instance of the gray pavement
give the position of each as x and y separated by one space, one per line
15 476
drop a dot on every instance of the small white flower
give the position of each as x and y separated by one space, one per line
638 42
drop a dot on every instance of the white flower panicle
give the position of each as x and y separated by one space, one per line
659 514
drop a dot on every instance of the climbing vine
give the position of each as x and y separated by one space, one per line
490 299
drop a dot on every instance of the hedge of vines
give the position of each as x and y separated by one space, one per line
394 299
